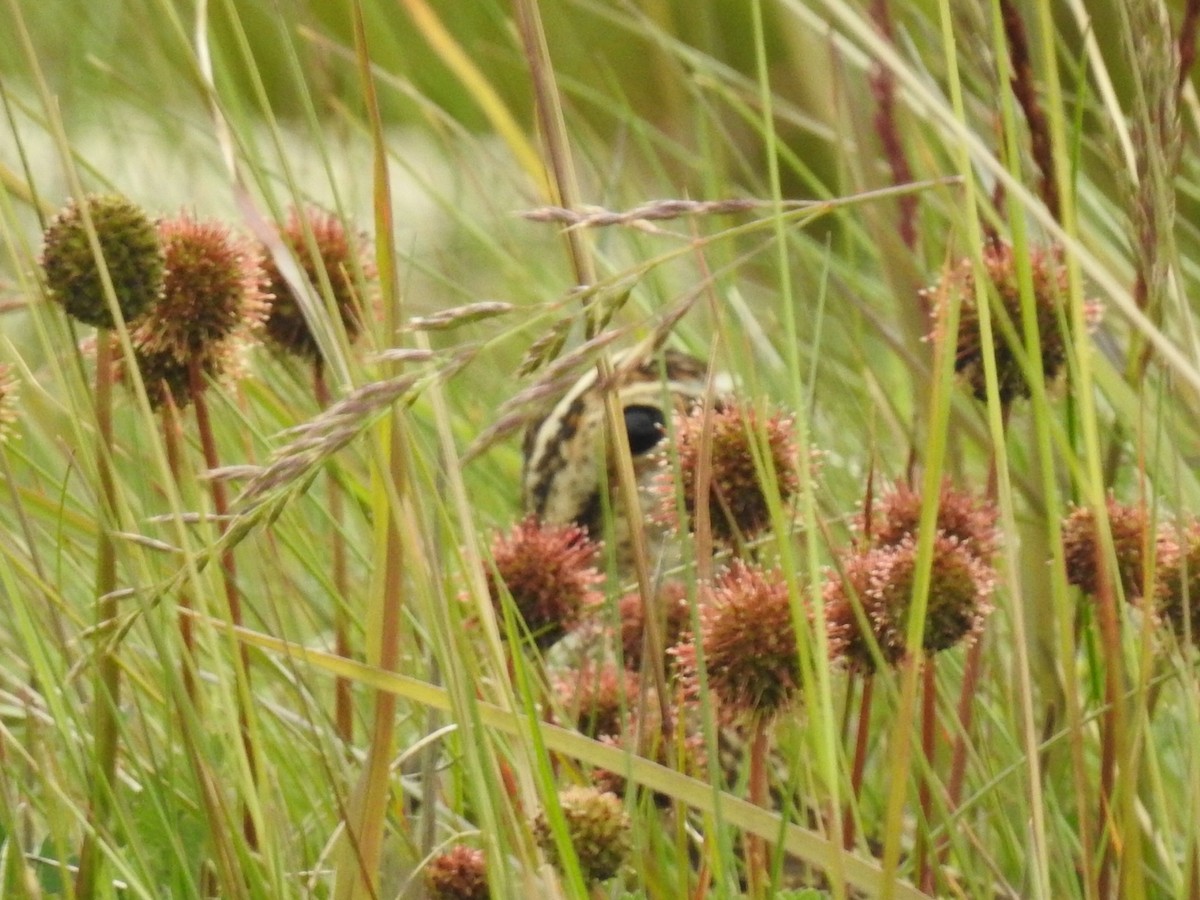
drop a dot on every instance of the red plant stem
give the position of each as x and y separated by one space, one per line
233 597
1025 90
966 708
343 698
756 848
861 741
883 86
703 880
187 637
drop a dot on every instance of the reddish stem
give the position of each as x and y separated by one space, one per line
187 637
756 848
861 741
883 86
343 698
233 597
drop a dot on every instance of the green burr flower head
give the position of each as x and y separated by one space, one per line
599 830
132 254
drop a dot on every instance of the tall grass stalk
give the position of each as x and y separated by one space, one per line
107 681
359 867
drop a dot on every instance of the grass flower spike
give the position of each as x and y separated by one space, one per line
8 401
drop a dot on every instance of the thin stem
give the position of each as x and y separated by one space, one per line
233 597
343 698
925 794
171 428
565 186
107 692
756 848
858 769
359 868
970 684
1111 728
966 712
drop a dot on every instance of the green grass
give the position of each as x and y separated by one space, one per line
1079 775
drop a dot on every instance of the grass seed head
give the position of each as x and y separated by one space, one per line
8 401
961 515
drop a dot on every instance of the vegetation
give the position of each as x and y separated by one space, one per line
282 284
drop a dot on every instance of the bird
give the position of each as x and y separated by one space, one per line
567 469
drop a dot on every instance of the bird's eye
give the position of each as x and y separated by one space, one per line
644 425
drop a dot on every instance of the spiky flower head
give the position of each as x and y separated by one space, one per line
672 601
458 874
132 255
214 292
599 697
849 610
1003 283
598 827
877 586
550 572
168 380
749 644
340 257
1178 583
1084 553
738 505
961 515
